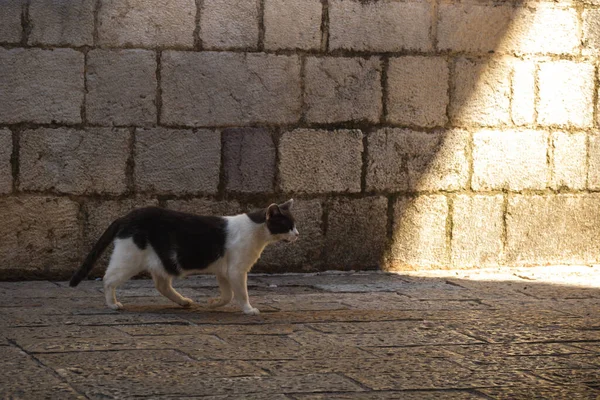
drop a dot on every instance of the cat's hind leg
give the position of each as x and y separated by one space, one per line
125 262
226 293
163 285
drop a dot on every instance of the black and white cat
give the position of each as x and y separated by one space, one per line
169 243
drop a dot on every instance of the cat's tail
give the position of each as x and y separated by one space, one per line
101 245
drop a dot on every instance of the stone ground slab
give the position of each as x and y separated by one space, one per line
493 334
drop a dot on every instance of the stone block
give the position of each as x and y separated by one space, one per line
99 215
380 26
39 236
249 160
177 161
553 229
210 88
61 23
477 225
536 27
121 87
356 235
74 161
306 252
481 94
566 93
229 24
401 159
315 161
523 93
147 23
591 31
419 236
41 86
594 162
10 21
340 89
6 149
417 91
293 24
200 206
513 160
569 159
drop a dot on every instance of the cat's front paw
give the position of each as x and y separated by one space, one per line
251 311
115 306
186 302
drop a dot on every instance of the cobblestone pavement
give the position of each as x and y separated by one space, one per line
505 334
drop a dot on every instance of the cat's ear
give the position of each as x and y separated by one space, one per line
287 205
273 210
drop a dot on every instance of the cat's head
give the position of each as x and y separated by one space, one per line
280 221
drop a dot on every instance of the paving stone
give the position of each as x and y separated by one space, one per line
169 329
227 24
6 149
544 390
10 21
177 161
342 89
408 395
54 22
292 24
225 89
590 377
74 161
153 23
41 86
514 349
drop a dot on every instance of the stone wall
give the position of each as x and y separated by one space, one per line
413 134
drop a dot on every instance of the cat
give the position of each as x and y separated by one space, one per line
169 244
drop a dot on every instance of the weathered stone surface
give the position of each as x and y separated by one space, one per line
6 149
533 28
523 93
332 165
558 229
10 21
55 22
42 86
566 93
569 160
481 93
306 252
177 161
594 162
121 87
356 232
38 234
419 233
418 91
249 160
147 23
379 26
210 88
229 24
514 160
591 31
74 161
340 89
293 24
477 231
205 207
400 159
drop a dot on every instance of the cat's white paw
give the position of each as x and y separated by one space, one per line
251 311
115 306
186 302
215 302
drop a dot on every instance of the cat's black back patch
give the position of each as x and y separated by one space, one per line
182 241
